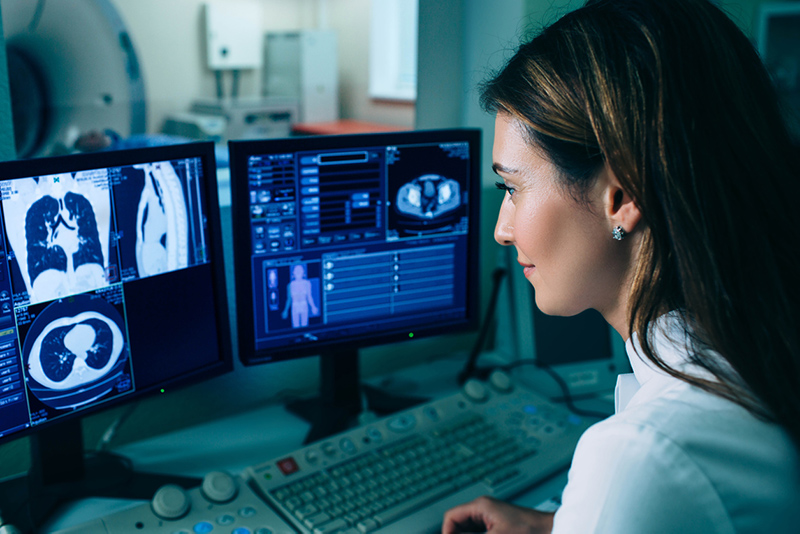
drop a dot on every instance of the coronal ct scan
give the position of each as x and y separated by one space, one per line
64 247
75 352
161 222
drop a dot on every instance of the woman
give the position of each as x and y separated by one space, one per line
648 175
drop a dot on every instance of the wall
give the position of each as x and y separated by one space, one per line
350 20
169 41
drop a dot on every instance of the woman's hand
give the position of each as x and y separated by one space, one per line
486 514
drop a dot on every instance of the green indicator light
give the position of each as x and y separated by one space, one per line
411 334
162 390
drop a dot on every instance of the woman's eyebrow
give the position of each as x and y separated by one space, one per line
499 167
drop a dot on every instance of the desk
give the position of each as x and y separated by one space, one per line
234 443
343 126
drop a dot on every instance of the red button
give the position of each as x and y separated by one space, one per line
288 466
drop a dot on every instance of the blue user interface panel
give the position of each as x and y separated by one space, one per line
356 241
100 277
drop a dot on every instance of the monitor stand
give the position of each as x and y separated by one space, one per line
61 471
340 401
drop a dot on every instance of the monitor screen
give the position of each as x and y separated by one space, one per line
111 281
350 241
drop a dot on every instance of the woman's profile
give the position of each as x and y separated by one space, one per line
648 174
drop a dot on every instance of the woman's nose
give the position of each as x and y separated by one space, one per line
503 230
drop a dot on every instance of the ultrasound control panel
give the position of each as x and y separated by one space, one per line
394 475
222 504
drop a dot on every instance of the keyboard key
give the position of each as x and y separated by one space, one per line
332 527
367 525
293 503
305 511
404 508
317 520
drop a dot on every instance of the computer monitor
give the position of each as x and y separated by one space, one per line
344 242
583 351
111 288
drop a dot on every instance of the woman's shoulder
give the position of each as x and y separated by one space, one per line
708 428
711 449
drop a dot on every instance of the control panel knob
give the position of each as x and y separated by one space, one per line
219 486
501 381
170 502
475 390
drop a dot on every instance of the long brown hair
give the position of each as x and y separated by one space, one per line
674 99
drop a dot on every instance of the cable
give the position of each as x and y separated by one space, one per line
565 393
366 415
470 368
37 16
108 435
235 85
220 87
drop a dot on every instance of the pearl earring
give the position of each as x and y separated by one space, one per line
618 233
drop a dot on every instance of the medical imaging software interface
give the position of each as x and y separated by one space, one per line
81 257
348 242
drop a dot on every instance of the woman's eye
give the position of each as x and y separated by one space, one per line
503 187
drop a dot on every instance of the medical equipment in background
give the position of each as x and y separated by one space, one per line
233 38
303 65
221 120
195 126
233 34
72 69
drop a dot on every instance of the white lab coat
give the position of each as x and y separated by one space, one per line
675 459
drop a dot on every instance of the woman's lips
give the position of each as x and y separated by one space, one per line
527 268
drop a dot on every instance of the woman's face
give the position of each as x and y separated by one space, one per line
565 248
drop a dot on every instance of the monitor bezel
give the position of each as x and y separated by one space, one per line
25 168
240 150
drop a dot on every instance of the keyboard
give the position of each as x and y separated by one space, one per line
396 475
401 473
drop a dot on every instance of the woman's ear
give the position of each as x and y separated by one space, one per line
618 206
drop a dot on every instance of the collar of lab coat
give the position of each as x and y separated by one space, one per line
671 343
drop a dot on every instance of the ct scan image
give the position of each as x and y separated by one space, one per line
75 352
58 230
428 197
426 191
153 220
161 222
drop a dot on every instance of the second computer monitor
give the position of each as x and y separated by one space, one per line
350 241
